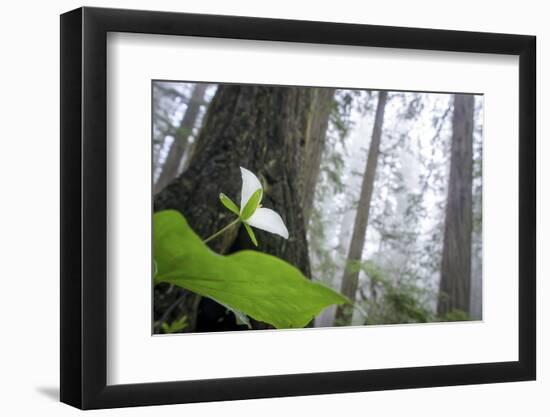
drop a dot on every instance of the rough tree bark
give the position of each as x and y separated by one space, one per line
454 287
351 274
181 138
315 136
263 129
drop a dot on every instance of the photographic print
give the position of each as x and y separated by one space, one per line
330 185
284 207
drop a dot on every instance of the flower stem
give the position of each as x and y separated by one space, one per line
219 232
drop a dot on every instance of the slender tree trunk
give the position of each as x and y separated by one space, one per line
156 157
315 136
454 289
260 128
181 139
351 273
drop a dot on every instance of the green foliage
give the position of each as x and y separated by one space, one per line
175 327
240 317
455 315
155 268
390 302
259 285
251 205
248 211
251 234
229 204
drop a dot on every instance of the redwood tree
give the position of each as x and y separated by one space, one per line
171 166
267 130
454 288
315 135
351 272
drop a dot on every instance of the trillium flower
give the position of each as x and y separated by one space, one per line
251 213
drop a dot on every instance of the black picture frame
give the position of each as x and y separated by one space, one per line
84 207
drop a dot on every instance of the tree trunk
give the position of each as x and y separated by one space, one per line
181 138
263 129
315 136
351 272
454 289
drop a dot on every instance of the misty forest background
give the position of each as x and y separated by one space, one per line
381 192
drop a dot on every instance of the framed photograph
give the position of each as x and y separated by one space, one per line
257 208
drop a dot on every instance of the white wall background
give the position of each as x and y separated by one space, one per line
29 112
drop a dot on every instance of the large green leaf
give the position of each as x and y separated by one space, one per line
262 286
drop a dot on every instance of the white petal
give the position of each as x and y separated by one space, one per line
251 184
268 220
